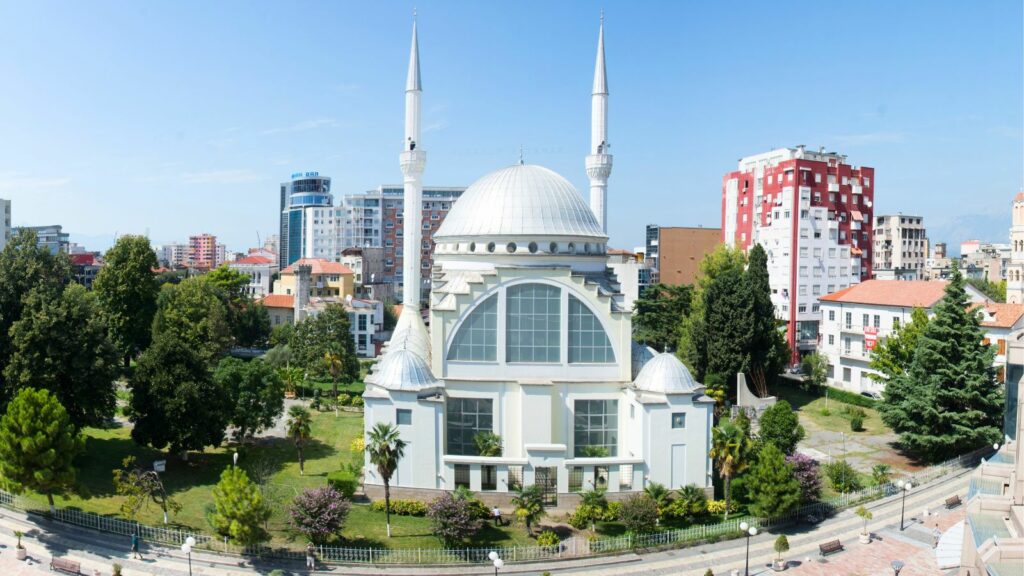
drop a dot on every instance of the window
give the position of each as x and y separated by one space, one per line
488 477
576 479
477 338
895 322
849 319
515 477
864 320
596 425
466 417
532 323
803 271
462 475
403 417
362 323
831 315
831 339
625 477
846 374
878 321
816 290
679 419
587 339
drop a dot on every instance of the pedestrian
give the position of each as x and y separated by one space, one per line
311 557
135 547
496 512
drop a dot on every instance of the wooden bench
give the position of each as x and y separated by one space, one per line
65 565
953 501
830 547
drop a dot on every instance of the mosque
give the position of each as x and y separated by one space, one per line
528 340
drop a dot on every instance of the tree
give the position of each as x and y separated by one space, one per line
60 344
658 315
693 332
659 493
842 476
773 489
593 505
780 425
994 290
639 514
781 546
386 448
948 401
229 283
806 471
390 316
730 446
528 503
327 333
38 444
255 392
891 357
487 443
195 314
728 318
768 352
880 474
281 335
252 325
300 429
690 503
452 519
139 487
175 403
279 356
815 368
866 516
25 266
127 288
319 513
239 511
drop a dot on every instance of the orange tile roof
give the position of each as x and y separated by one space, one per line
320 266
253 260
278 301
621 251
1003 315
908 293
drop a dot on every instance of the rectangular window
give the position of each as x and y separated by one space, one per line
831 339
679 419
532 319
864 320
488 477
576 479
625 477
846 373
849 319
596 428
803 271
831 315
466 417
895 322
462 475
403 417
878 321
515 477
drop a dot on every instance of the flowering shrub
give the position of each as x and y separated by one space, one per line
358 445
319 513
718 507
807 474
452 519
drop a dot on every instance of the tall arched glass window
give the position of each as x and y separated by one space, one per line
587 339
532 320
477 338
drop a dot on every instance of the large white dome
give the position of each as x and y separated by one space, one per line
517 201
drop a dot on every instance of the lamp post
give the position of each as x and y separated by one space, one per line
897 565
498 562
904 487
748 531
187 549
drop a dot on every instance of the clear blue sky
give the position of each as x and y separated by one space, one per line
183 117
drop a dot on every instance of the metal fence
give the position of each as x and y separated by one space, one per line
575 547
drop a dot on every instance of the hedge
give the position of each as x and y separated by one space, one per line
402 507
345 483
833 393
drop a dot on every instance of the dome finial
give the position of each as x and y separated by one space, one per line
521 162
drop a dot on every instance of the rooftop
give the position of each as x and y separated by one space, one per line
906 293
999 315
320 266
253 260
278 301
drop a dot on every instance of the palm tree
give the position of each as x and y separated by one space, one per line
386 448
729 448
596 502
487 443
529 505
299 429
334 365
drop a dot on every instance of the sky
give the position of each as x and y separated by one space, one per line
175 118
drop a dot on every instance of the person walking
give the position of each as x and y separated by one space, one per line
135 546
311 557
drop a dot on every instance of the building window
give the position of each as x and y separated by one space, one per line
477 338
515 477
831 339
895 322
831 315
864 320
596 428
679 419
532 323
462 475
846 372
587 339
403 417
488 477
466 417
625 477
849 319
576 479
878 321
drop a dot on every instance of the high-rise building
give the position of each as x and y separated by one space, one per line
203 252
813 214
5 222
305 193
1015 268
674 253
901 246
51 237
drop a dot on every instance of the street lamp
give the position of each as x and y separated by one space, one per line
897 565
187 549
748 531
498 562
904 487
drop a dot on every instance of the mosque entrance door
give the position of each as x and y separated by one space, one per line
547 478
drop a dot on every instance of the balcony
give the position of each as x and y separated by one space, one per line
833 187
857 189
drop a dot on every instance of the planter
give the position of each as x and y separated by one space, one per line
865 539
779 565
20 553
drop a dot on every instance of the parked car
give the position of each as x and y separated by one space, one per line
871 394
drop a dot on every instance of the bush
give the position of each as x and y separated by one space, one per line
586 515
548 538
357 401
452 519
807 474
856 423
402 507
639 514
319 513
345 483
842 476
344 400
612 512
690 503
718 506
479 509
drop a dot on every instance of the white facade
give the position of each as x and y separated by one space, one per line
174 255
901 246
632 274
5 222
260 270
1015 268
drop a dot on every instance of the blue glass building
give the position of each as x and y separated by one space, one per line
305 190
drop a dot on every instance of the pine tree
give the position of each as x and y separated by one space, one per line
658 315
773 488
948 401
892 357
239 510
693 332
729 326
768 350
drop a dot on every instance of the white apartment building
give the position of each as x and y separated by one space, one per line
5 222
854 320
632 273
260 270
901 246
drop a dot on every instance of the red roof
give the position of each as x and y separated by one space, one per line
320 266
254 260
278 301
907 293
83 259
999 315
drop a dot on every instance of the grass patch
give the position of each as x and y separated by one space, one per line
829 413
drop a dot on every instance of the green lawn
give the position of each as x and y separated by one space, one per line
830 414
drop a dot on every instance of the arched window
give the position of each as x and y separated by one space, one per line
532 319
477 338
587 339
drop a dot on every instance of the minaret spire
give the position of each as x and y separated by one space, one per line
412 160
599 162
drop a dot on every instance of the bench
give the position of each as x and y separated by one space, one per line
830 547
65 565
953 501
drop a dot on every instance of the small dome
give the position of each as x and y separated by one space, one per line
402 370
517 201
665 374
641 355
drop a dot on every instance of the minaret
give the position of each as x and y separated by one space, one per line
599 162
412 159
1015 269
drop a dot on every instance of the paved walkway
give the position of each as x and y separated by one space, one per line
97 551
